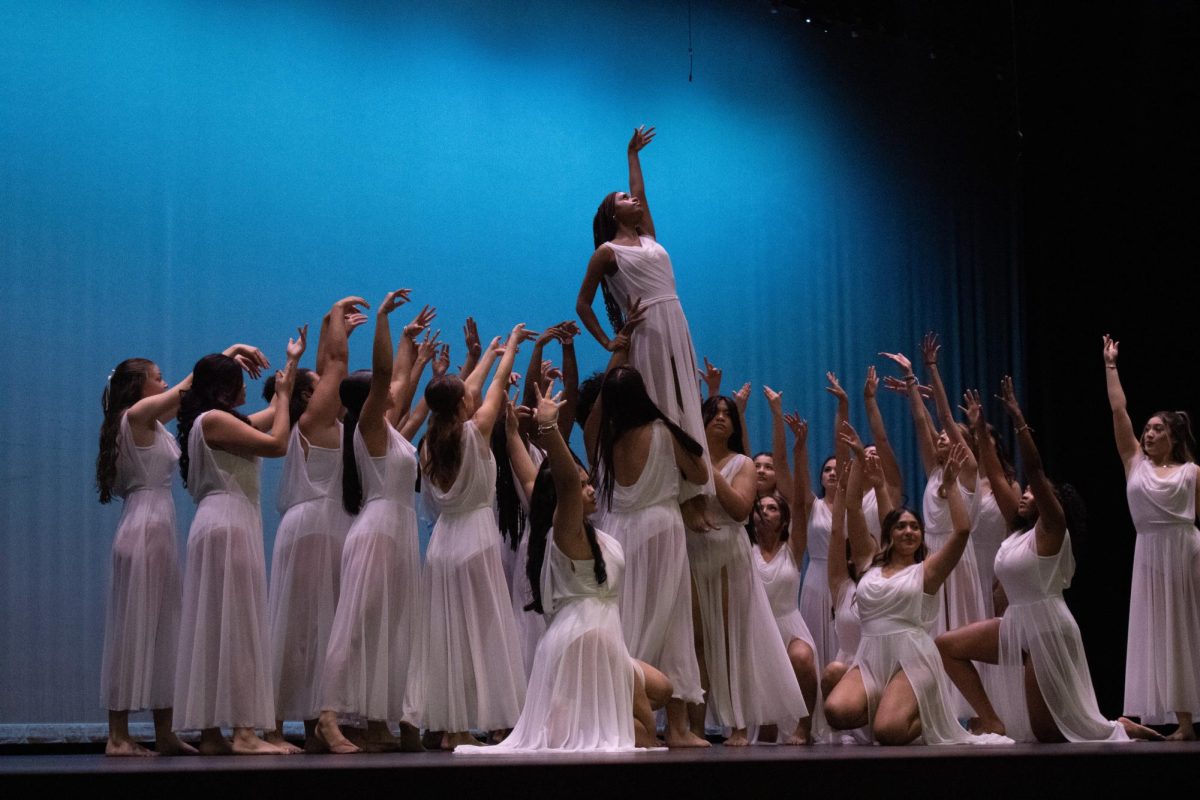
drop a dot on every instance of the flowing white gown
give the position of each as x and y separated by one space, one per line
530 624
847 622
306 567
1039 623
223 672
656 607
662 351
960 600
580 697
1162 660
988 530
815 603
471 673
141 631
375 627
750 678
895 613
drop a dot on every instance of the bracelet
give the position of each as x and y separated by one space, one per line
1111 366
1023 428
910 378
546 428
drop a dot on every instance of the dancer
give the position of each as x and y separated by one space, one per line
778 551
630 264
586 693
960 601
136 458
367 661
223 672
307 556
1162 661
471 675
888 478
1037 631
640 453
896 683
746 674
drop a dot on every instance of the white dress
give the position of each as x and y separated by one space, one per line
306 568
141 631
988 530
750 678
815 603
781 581
1039 623
847 622
656 597
960 600
471 673
580 696
895 613
223 673
375 628
662 351
1162 660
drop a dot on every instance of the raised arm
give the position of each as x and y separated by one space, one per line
569 535
408 353
642 136
864 548
1127 441
493 401
710 376
801 490
779 455
1052 521
265 419
1007 496
939 565
473 348
840 451
929 350
163 407
862 544
372 421
926 437
416 418
523 468
570 370
836 571
225 431
325 403
890 465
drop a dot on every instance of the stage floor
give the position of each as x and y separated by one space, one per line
960 771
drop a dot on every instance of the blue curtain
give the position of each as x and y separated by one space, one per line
177 176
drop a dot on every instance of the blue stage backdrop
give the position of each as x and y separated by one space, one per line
177 176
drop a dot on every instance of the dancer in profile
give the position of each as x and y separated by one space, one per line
1162 660
629 264
1037 634
137 456
223 672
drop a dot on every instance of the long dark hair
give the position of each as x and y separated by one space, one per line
709 409
1183 443
508 502
627 405
124 388
604 229
441 454
353 391
885 533
302 389
216 383
541 517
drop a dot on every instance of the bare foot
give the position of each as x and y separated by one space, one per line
643 738
1141 732
797 739
685 739
127 747
979 725
246 743
410 739
737 738
1183 734
327 737
461 738
171 745
275 737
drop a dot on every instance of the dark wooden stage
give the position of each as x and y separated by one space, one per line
831 771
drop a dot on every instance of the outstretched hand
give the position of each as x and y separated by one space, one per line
297 346
711 375
393 301
441 362
850 436
930 349
353 321
642 136
902 361
798 426
428 346
741 397
546 413
421 322
835 388
973 408
1110 351
1008 396
249 358
871 385
471 337
774 400
954 464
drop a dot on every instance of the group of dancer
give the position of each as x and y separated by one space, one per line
563 601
